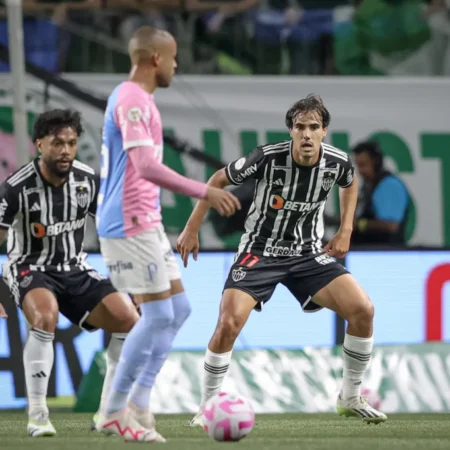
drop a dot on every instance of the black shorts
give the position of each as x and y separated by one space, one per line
77 292
303 276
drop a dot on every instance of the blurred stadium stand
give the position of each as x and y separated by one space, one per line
303 37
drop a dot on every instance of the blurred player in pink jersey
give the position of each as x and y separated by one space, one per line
132 238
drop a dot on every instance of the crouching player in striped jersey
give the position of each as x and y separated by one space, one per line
283 244
43 210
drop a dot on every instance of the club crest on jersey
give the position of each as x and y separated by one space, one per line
239 164
238 275
134 114
328 180
82 195
26 281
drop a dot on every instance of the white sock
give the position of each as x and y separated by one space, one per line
38 362
357 352
112 359
216 367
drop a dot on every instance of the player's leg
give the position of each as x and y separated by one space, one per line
41 312
117 315
142 273
35 293
140 395
235 308
344 296
91 302
139 399
250 283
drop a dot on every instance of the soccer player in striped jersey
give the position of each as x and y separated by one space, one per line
283 244
44 206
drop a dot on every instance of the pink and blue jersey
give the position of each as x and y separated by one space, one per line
128 204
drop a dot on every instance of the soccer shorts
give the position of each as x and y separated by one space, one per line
142 264
77 292
304 277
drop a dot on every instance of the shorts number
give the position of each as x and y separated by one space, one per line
252 260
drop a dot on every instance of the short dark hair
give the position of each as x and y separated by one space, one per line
311 103
50 122
370 147
373 149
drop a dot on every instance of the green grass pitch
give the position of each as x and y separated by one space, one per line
271 432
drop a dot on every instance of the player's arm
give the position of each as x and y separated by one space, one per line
9 206
234 173
95 186
145 156
348 198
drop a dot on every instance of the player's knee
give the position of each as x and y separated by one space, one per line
363 314
45 320
229 327
127 323
181 309
164 319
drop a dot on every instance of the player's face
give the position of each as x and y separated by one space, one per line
58 151
365 166
307 133
167 63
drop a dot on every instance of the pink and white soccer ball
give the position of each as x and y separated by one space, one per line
228 417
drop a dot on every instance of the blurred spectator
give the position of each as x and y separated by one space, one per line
389 37
384 200
8 162
221 33
284 25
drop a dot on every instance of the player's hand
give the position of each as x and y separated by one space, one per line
3 314
338 245
223 201
188 243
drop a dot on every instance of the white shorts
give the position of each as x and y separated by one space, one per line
142 264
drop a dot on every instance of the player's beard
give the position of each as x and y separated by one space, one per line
58 172
163 81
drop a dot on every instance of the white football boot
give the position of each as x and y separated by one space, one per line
39 425
124 424
359 407
197 420
143 416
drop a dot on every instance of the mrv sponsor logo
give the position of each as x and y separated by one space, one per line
246 173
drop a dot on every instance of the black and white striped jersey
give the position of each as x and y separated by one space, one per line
47 223
286 216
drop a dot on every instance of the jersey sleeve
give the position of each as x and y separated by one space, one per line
346 174
9 205
95 186
250 166
129 116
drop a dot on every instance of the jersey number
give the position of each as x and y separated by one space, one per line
250 259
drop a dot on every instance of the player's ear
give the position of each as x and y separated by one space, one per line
156 59
38 145
325 132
